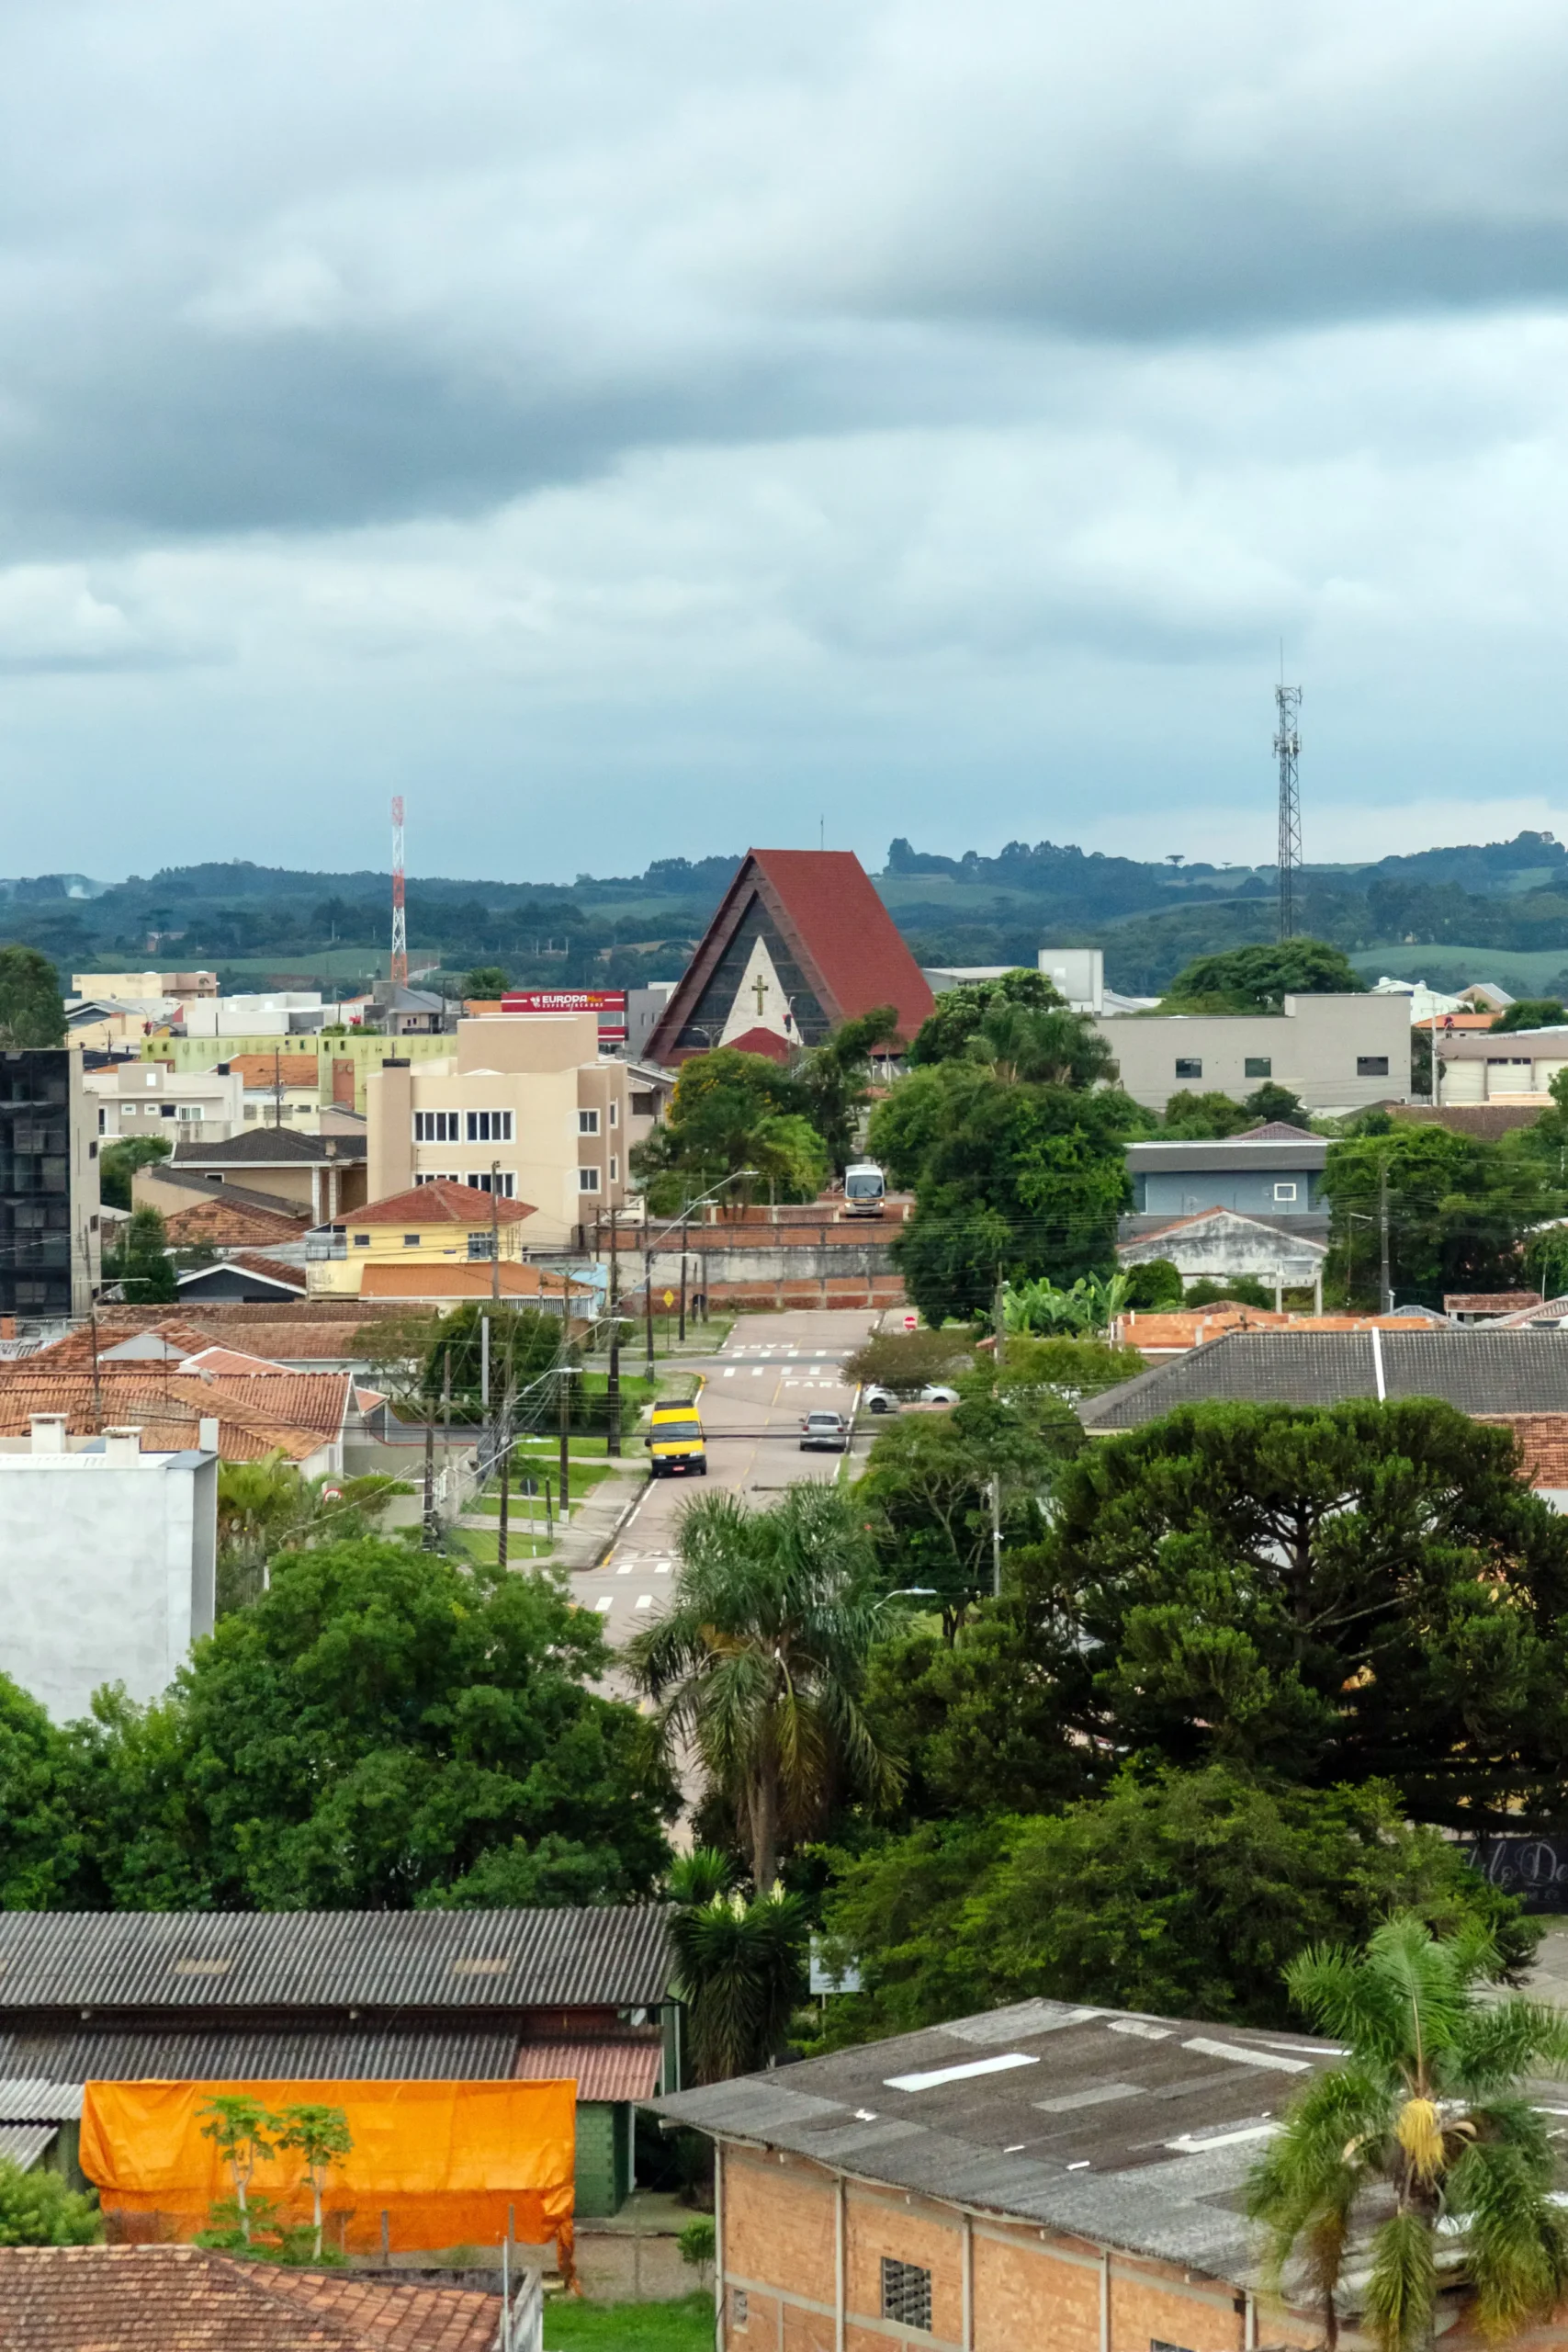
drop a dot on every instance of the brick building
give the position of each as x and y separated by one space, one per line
1042 2178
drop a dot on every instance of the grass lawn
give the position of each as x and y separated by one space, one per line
481 1546
585 1475
685 2326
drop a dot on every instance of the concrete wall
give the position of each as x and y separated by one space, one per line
108 1568
1253 1193
1314 1047
1030 2290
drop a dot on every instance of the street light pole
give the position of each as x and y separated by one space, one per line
612 1383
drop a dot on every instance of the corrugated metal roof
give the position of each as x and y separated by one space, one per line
29 2099
1482 1369
1117 2127
615 1956
1227 1157
23 2143
105 2053
602 2070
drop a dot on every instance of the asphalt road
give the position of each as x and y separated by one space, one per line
771 1372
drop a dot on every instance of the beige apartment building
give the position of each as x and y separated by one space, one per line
527 1095
1335 1052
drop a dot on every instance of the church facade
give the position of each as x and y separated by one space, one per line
800 943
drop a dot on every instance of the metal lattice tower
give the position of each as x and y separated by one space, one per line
1288 751
399 921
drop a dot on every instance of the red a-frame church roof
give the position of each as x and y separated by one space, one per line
847 945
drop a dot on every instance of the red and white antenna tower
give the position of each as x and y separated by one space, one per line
399 921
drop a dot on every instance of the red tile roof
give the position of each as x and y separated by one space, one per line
182 2299
850 953
229 1223
217 1359
763 1041
1490 1302
167 1408
1543 1443
612 2068
440 1203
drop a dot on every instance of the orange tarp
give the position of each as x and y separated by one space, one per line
446 2163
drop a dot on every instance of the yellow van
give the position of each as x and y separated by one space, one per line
676 1444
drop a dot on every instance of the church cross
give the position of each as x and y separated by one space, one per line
762 988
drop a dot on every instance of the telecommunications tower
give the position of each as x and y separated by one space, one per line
399 921
1288 751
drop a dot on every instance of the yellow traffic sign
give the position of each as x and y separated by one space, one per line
668 1299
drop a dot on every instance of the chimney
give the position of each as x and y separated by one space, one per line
122 1445
48 1433
207 1433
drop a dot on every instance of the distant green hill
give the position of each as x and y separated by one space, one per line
1472 912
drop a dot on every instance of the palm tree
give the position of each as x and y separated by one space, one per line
1040 1044
738 1965
1419 2156
760 1659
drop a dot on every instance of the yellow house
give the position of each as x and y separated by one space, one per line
436 1225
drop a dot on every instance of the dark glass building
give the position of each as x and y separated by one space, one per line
49 1192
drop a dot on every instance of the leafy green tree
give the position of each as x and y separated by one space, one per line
732 1112
266 1507
1154 1286
244 2132
835 1080
1068 1368
1273 1102
1356 1591
912 1118
46 1847
927 1490
905 1361
1458 1211
1531 1013
1040 1046
760 1660
486 983
524 1349
1186 1893
320 2136
1259 979
1428 2126
1201 1116
383 1729
139 1262
1018 1180
37 2209
118 1163
945 1034
32 1011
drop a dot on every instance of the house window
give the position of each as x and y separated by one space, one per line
614 1167
1259 1065
1284 1191
739 2307
166 1109
1187 1067
1372 1066
615 1115
588 1123
362 1241
503 1185
489 1126
411 1241
438 1126
103 1120
482 1245
588 1180
906 2293
645 1106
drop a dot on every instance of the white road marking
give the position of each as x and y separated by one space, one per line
607 1604
728 1372
662 1569
645 1601
625 1569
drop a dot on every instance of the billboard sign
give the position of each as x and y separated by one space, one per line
610 1004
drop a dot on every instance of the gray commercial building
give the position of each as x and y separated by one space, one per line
1276 1172
1334 1053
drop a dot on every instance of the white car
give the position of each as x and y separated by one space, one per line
879 1400
937 1392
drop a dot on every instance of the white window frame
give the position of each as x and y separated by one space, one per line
1284 1191
588 1123
487 1127
479 1181
615 1169
588 1180
438 1126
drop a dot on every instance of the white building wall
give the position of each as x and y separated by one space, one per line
107 1569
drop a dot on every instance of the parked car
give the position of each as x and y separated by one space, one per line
824 1433
879 1400
937 1392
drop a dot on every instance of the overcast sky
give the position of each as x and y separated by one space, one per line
631 427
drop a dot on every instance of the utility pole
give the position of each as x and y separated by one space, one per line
399 967
1287 750
612 1383
996 1485
685 1235
648 1304
447 1420
565 1386
429 1479
494 1229
1386 1306
276 1088
484 1362
505 1496
997 1315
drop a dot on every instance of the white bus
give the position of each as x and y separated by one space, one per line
863 1189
